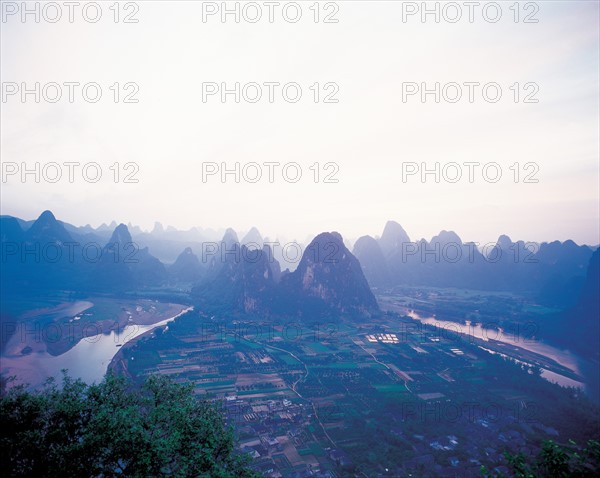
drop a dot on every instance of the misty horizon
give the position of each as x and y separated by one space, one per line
362 157
216 233
300 239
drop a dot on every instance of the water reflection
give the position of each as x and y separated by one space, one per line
87 360
525 340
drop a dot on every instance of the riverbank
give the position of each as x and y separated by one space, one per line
118 363
58 329
557 365
31 360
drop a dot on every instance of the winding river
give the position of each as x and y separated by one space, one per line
87 360
583 367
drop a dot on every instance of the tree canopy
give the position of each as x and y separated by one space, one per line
554 461
113 429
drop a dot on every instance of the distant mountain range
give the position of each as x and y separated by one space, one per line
123 266
50 253
327 281
578 327
554 272
246 277
329 276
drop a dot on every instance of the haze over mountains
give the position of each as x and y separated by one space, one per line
53 255
245 277
328 280
582 320
553 272
253 275
329 273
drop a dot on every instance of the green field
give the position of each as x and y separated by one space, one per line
318 347
391 388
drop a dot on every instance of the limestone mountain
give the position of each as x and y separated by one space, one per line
124 266
273 262
578 327
328 281
586 313
42 257
187 267
46 229
244 283
392 238
10 230
329 277
252 239
215 254
371 258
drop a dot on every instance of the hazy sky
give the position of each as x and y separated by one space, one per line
370 133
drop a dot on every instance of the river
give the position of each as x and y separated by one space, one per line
87 360
583 367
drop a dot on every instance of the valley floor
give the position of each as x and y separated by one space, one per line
380 398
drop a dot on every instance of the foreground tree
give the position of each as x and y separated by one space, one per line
555 461
113 430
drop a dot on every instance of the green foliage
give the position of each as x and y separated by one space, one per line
555 461
111 429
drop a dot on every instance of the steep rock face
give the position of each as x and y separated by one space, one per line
373 262
123 265
274 263
392 238
230 238
46 229
252 239
584 319
590 293
560 269
187 267
245 282
446 238
10 230
329 277
328 281
578 327
11 240
40 257
217 254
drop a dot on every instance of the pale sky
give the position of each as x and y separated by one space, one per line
369 133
